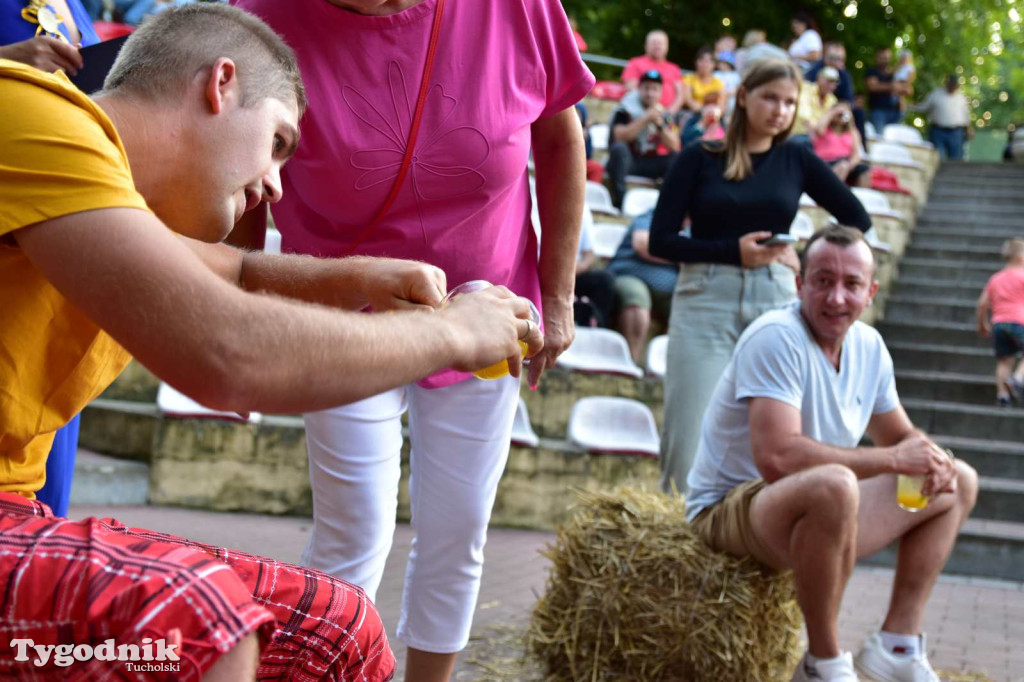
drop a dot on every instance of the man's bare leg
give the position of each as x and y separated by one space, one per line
237 665
424 666
809 519
926 540
1004 369
634 322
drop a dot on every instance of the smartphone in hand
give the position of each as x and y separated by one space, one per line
781 239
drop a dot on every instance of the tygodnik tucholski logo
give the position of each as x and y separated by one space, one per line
151 656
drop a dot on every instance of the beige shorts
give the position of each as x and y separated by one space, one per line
726 526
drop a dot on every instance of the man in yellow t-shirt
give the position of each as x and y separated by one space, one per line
199 113
703 81
814 108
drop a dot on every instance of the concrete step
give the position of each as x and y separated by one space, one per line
940 358
896 330
965 219
945 239
994 458
102 480
1000 499
973 389
976 191
979 212
957 254
933 288
966 421
915 308
994 549
954 272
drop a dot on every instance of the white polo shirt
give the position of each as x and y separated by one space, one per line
776 357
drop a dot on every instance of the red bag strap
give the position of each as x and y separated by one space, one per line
403 170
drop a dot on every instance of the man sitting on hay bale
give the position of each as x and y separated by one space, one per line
779 474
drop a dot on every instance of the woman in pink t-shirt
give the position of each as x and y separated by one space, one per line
1003 299
504 81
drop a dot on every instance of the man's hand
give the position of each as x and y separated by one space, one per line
488 326
918 455
559 332
45 53
393 284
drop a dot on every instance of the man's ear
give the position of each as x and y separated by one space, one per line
873 291
222 86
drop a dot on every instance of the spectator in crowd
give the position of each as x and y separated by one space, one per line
835 57
750 39
725 71
737 194
655 58
905 73
1001 317
817 101
595 287
781 476
703 81
806 49
884 91
839 145
24 38
645 137
949 118
643 284
725 43
92 272
707 126
581 44
464 207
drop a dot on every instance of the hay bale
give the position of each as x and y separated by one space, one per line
633 594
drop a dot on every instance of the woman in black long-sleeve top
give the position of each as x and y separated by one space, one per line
736 195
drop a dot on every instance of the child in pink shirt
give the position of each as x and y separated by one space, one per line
1004 299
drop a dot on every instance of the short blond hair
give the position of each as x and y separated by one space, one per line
1013 249
160 59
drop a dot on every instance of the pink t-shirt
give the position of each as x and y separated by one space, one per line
1006 291
670 74
465 204
831 146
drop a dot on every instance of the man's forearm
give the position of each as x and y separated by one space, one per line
800 453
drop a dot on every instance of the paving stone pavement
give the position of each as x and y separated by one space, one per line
972 624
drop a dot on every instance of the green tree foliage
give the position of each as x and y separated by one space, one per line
980 40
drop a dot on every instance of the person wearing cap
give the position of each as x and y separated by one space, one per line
645 136
950 118
834 56
654 58
817 101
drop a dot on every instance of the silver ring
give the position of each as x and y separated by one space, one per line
529 328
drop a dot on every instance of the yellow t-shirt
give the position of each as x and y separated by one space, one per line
700 89
810 108
59 154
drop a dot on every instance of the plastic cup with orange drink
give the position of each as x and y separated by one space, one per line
908 491
499 369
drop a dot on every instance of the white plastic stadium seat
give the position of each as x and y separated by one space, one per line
599 351
272 243
522 432
802 227
875 202
599 199
177 405
871 237
807 201
657 356
607 237
614 425
891 152
639 200
903 134
599 135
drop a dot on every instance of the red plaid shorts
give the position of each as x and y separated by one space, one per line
84 582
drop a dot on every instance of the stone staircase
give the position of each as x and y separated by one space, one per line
944 370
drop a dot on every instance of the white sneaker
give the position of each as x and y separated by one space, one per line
877 663
840 670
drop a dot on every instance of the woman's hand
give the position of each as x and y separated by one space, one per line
754 255
45 53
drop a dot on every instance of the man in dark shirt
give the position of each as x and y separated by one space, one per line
884 92
645 138
834 56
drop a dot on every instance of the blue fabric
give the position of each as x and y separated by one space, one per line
882 117
660 277
844 90
14 28
60 468
949 142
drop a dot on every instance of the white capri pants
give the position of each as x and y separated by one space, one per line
460 441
